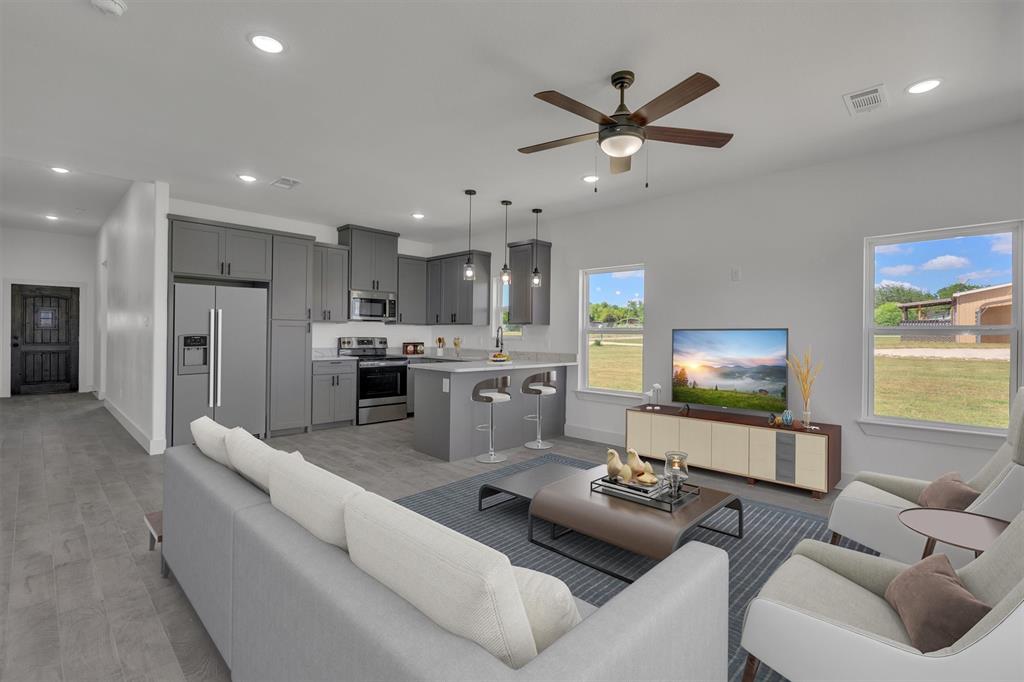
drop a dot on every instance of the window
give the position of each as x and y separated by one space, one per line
612 329
46 318
941 326
508 330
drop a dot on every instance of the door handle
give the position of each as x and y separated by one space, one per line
229 269
220 349
309 313
328 314
222 267
209 365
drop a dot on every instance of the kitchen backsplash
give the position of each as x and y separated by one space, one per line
534 339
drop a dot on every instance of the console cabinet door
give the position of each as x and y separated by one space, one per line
323 398
638 431
812 461
730 448
762 453
248 255
695 441
664 435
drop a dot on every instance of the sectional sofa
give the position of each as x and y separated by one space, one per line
280 603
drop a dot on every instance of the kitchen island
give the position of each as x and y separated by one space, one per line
447 415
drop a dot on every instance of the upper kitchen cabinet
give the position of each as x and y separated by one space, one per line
527 304
453 300
292 288
219 251
434 288
373 260
330 283
412 290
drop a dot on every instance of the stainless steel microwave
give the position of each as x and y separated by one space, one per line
378 306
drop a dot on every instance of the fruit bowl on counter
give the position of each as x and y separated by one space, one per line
498 358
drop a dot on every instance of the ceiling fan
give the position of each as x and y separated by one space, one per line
623 133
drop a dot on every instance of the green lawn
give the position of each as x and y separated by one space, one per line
972 392
745 401
920 342
617 367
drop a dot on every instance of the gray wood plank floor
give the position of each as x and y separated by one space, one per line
81 597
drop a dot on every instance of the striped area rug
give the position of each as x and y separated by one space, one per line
770 533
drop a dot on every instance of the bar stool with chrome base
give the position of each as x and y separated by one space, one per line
491 391
539 385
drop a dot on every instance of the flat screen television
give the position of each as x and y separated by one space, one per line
743 369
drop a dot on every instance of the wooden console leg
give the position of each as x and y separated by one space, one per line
836 537
816 494
751 481
750 669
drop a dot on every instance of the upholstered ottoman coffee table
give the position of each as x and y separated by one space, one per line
571 505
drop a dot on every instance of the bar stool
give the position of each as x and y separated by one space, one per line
491 391
539 385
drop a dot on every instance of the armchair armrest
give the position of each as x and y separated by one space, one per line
907 488
870 572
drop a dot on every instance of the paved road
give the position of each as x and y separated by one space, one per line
946 353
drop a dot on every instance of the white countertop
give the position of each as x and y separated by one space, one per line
486 366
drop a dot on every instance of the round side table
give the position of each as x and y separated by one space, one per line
962 529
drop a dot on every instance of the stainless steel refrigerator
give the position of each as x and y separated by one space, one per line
220 358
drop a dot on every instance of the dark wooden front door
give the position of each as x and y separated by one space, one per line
44 339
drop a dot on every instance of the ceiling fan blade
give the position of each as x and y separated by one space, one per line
690 89
700 138
558 143
572 106
619 164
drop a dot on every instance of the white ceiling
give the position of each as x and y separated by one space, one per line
29 191
385 108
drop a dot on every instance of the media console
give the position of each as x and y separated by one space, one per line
740 444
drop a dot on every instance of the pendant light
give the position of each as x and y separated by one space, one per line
535 278
468 271
506 271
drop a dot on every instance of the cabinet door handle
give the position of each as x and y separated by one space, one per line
329 314
229 269
222 267
399 317
309 313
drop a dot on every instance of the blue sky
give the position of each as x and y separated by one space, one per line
983 259
617 287
744 347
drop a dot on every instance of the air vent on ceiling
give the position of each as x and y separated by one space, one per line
285 183
863 101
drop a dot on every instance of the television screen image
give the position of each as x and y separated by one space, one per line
737 368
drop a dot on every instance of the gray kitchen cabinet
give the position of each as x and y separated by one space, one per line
345 398
433 292
412 290
330 283
292 286
290 375
373 258
323 399
451 283
527 304
334 394
218 251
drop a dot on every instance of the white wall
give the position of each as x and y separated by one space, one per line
132 256
798 237
36 257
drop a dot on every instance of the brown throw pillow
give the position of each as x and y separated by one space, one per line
948 492
935 607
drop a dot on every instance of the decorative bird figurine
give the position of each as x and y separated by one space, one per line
615 464
626 474
634 462
648 477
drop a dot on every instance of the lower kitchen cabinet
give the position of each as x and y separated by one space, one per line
290 359
334 392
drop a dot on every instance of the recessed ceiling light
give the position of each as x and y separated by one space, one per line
58 169
246 178
921 87
590 178
418 216
51 217
267 44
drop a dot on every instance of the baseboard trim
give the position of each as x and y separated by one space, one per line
150 445
596 435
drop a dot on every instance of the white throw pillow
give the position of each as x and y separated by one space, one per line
312 497
251 457
550 606
209 437
465 587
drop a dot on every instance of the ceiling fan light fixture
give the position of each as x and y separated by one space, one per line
621 141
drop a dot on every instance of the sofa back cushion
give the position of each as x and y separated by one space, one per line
209 437
251 457
465 587
313 497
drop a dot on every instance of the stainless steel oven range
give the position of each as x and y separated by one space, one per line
381 385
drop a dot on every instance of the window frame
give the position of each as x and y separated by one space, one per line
870 329
585 329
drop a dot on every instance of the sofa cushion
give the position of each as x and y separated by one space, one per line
313 497
251 457
209 437
933 603
465 587
550 606
948 492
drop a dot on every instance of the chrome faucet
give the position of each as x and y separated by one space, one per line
500 341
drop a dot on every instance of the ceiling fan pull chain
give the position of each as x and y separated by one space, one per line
647 166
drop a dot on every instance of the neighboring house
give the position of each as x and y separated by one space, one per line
987 306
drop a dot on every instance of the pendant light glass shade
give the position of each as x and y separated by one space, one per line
468 271
506 274
536 280
506 271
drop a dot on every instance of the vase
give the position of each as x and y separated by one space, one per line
787 418
807 416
